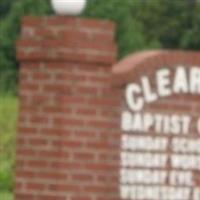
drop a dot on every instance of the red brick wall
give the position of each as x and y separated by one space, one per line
68 133
68 143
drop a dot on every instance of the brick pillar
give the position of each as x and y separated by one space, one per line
68 133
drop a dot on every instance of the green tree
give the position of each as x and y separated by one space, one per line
5 6
9 32
166 21
145 24
191 38
130 34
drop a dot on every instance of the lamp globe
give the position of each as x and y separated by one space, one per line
68 7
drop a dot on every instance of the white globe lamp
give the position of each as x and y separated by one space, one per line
68 7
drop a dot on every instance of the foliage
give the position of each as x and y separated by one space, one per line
130 34
142 24
5 6
168 21
8 119
151 24
9 32
191 38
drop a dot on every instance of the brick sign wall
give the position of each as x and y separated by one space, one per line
87 132
160 154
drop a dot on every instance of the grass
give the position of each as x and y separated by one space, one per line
8 120
6 196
